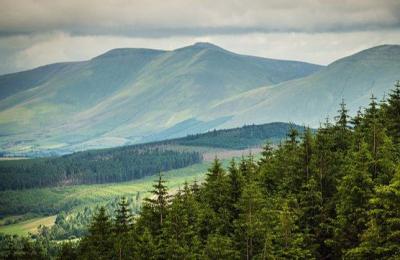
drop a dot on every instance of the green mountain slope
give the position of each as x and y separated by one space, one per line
128 95
311 99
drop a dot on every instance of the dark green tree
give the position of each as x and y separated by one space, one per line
354 192
98 244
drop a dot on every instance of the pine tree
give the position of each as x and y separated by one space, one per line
381 239
393 115
219 247
307 148
180 232
289 241
123 217
216 194
342 130
161 198
311 216
249 226
292 137
122 226
354 192
236 183
98 244
216 186
146 247
266 153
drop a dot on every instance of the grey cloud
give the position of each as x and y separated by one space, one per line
190 17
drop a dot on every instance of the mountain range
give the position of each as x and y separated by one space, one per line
127 96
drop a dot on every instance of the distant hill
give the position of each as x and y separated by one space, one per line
134 161
311 99
128 96
238 138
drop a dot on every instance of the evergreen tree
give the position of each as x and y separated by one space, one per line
159 200
310 217
307 148
236 183
354 192
146 247
180 232
98 244
249 226
219 247
266 153
123 217
216 194
122 226
342 130
393 115
289 242
381 239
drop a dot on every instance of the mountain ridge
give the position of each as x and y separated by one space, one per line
353 78
133 95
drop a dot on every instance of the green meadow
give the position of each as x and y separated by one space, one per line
46 203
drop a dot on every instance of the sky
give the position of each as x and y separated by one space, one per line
39 32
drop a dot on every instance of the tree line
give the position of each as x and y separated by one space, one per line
96 166
239 138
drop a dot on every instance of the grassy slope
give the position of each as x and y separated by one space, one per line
74 198
28 226
51 201
311 99
127 94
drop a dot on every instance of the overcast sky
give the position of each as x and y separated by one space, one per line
38 32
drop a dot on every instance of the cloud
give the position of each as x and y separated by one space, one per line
192 17
38 32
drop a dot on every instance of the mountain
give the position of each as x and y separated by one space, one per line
129 95
311 99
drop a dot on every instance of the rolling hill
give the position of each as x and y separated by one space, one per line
133 161
311 99
129 95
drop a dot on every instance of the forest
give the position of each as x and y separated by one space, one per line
238 138
134 161
329 194
95 166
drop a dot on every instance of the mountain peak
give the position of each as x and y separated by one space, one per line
206 45
380 52
202 46
123 52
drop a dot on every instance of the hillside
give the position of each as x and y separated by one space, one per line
135 161
311 99
127 95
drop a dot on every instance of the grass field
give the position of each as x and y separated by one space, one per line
50 201
28 226
45 203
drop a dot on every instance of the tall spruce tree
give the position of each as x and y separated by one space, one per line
393 115
249 226
122 225
123 217
381 239
354 192
99 243
160 199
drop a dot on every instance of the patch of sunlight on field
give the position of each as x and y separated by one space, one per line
28 226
